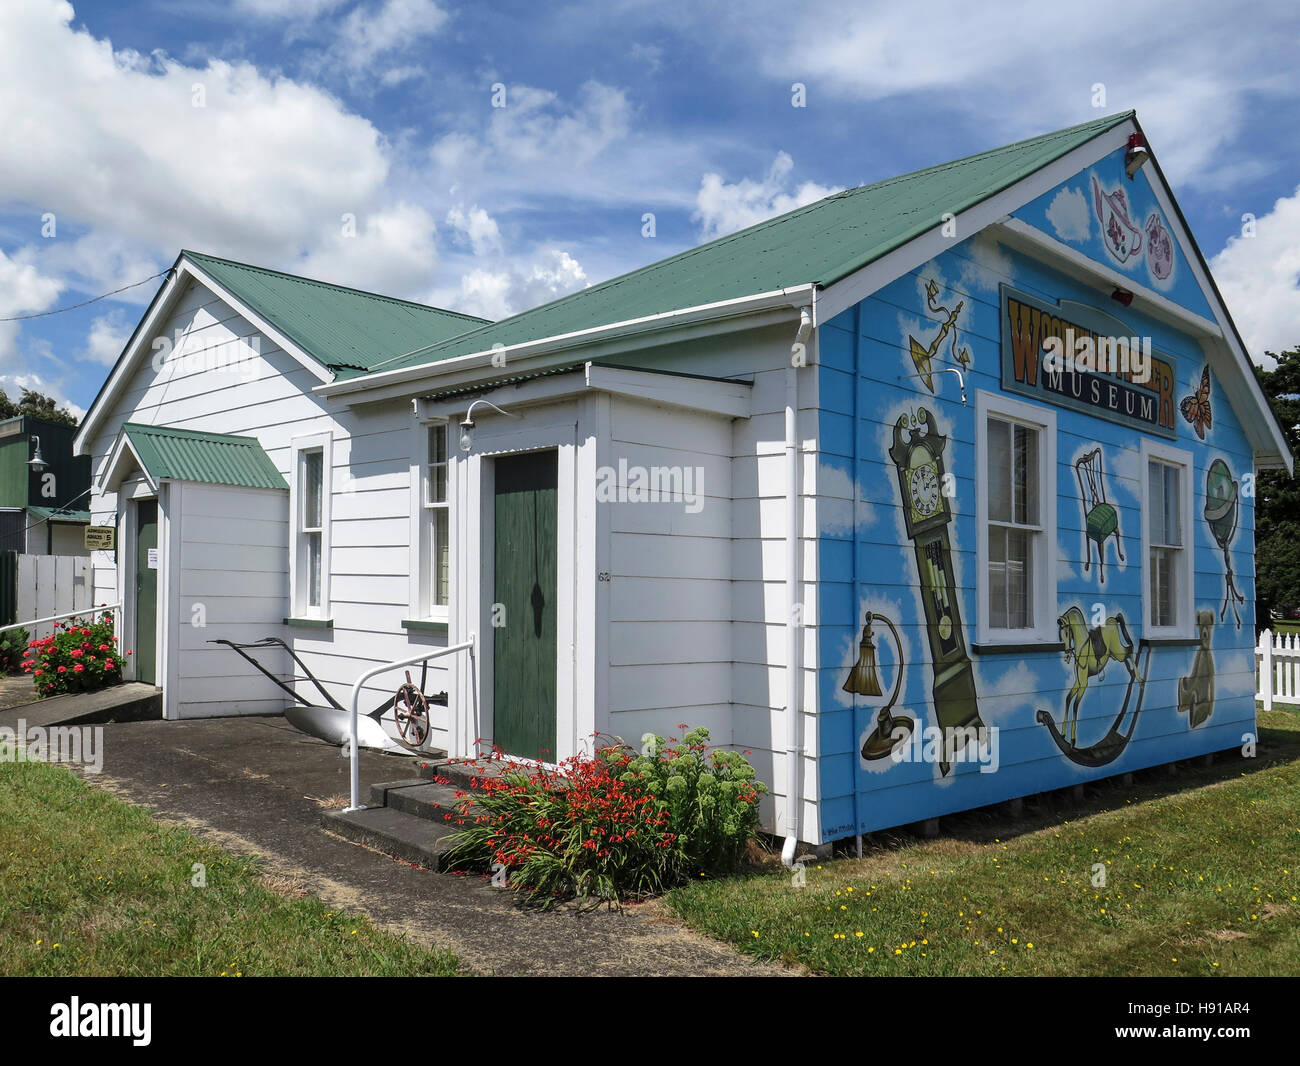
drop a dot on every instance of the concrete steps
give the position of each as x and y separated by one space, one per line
413 820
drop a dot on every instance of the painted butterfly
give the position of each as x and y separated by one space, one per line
1196 408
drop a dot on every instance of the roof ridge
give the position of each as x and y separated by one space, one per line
181 431
331 285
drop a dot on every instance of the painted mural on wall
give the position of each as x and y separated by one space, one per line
918 456
916 716
923 355
1196 408
1222 511
1118 221
1088 651
1100 517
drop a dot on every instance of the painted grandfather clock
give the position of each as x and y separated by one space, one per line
917 453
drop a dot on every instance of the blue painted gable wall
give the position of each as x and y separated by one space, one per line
867 563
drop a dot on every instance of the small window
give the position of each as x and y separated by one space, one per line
312 527
310 507
436 517
1166 526
1017 571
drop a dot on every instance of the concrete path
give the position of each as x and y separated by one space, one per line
257 786
16 690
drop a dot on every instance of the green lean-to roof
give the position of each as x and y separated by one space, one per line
218 458
346 330
818 244
58 514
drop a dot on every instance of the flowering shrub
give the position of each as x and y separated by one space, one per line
80 656
13 644
613 825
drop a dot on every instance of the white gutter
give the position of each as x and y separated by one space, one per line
514 354
793 710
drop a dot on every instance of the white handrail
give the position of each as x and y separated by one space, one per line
85 611
355 752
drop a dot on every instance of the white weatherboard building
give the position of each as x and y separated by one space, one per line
667 511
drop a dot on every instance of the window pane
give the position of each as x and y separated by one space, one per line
441 558
999 475
1026 476
1156 501
997 578
313 568
1019 579
311 489
437 465
1173 519
1163 587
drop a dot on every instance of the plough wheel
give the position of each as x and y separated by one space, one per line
411 710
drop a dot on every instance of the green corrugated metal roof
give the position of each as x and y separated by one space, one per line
817 244
343 329
219 458
56 514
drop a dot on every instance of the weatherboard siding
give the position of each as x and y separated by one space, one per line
867 561
270 398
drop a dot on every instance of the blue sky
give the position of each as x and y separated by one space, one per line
383 110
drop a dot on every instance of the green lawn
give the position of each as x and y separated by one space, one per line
93 886
1202 875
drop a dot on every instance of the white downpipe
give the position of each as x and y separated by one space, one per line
793 710
355 747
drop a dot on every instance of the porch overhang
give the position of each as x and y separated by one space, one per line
724 397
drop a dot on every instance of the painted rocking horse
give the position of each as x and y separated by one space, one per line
1090 651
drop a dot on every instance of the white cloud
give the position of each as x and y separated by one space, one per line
477 227
1070 215
111 140
721 208
393 247
393 25
107 337
287 9
510 289
1260 280
987 265
23 288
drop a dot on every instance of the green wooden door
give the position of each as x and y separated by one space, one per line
146 592
524 665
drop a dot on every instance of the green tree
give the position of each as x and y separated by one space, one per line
1277 499
36 405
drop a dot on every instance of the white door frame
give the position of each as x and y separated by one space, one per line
551 427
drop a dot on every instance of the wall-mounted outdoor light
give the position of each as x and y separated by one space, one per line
37 462
466 441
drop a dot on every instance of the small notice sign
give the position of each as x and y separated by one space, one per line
100 538
153 558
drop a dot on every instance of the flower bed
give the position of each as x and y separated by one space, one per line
613 825
13 648
82 655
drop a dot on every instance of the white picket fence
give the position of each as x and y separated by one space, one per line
1277 668
50 585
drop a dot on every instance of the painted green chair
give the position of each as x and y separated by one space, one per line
1101 519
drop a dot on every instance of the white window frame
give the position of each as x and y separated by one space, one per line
1185 627
423 525
1043 419
298 594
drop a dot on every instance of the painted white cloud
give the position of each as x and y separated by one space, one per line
836 496
1070 215
1260 280
722 208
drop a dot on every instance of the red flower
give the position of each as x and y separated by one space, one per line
63 669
